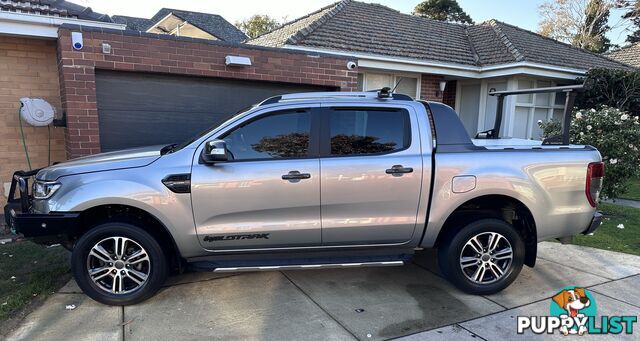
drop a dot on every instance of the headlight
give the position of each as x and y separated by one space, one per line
44 190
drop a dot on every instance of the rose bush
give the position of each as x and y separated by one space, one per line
615 133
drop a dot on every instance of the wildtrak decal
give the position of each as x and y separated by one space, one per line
236 237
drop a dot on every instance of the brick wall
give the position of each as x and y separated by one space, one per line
28 68
143 52
429 84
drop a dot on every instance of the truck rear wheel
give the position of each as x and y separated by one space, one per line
483 257
118 264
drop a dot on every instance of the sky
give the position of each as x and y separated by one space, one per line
522 13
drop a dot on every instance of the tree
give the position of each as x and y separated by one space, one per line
582 23
632 13
257 25
442 10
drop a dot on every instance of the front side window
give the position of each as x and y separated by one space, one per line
276 136
368 131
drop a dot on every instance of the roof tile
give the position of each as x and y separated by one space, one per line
629 55
357 27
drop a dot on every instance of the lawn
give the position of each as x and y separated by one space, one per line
609 236
633 190
29 271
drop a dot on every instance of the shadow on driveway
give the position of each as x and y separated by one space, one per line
339 304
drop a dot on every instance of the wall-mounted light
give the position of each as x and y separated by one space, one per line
443 85
237 61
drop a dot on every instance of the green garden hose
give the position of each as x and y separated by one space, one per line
24 142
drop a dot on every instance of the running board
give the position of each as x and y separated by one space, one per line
308 266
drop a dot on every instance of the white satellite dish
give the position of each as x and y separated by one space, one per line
36 111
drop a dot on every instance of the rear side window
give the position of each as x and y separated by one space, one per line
283 135
368 131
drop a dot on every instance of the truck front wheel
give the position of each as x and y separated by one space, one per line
483 257
118 264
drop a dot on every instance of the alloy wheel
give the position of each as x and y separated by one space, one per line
486 257
118 265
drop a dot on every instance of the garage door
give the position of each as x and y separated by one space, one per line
136 109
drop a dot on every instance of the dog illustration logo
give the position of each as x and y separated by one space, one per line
572 311
573 303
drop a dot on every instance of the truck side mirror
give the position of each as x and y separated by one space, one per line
215 151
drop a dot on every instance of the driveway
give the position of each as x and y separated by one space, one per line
411 302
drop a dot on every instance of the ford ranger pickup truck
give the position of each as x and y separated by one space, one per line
307 181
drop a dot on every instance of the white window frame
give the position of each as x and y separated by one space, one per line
395 76
533 106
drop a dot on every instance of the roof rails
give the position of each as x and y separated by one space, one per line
374 94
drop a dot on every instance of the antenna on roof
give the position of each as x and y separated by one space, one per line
394 88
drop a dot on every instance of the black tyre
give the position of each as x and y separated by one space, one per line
483 257
118 264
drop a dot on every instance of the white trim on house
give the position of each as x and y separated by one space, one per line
33 25
449 69
395 75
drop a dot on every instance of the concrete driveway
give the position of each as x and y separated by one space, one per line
413 302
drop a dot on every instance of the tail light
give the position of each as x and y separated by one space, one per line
595 174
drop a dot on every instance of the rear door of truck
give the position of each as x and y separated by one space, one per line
371 173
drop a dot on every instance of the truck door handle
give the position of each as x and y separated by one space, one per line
295 175
398 169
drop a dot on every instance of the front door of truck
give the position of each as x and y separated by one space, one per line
267 195
371 168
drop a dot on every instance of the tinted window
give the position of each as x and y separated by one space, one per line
276 136
366 131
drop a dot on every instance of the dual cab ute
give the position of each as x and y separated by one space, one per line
311 180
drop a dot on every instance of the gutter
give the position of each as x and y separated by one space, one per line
449 69
34 25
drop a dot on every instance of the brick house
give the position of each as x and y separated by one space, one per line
29 68
139 81
454 63
128 87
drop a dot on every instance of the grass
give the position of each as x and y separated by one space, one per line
29 271
609 237
633 190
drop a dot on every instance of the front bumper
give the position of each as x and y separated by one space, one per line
595 223
48 228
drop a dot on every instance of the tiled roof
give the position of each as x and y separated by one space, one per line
55 8
357 27
629 55
371 28
210 23
133 23
532 47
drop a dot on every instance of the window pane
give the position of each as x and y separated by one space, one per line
525 84
538 115
365 131
561 97
558 114
408 86
545 98
521 122
283 135
378 81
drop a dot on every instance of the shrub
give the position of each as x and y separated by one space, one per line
611 87
615 133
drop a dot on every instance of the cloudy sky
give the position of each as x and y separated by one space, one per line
523 13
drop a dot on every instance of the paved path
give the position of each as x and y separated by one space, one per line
624 202
411 302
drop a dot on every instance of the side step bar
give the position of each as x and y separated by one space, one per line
307 266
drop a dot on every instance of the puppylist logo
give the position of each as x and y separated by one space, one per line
573 312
